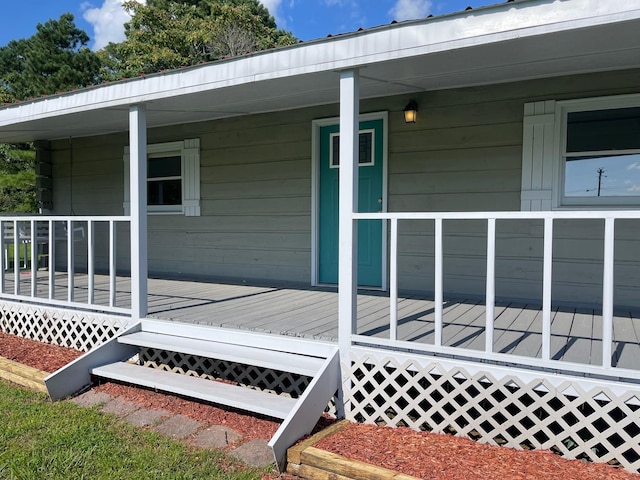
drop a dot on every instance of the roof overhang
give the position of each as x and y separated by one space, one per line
519 40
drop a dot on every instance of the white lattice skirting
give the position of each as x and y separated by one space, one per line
578 418
257 378
248 375
68 328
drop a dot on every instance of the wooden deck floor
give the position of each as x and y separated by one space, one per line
576 334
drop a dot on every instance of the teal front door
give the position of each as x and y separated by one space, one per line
370 199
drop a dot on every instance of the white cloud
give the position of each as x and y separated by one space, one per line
272 6
107 21
634 189
410 9
634 166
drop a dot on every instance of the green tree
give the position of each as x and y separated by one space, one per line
17 178
166 34
255 8
55 58
157 39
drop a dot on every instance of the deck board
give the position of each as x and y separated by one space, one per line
520 328
560 329
626 352
576 334
578 342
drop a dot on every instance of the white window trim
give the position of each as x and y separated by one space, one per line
189 151
543 145
563 108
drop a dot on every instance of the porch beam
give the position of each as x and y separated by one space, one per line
138 199
348 205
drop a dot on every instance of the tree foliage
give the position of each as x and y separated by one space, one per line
55 58
17 178
167 34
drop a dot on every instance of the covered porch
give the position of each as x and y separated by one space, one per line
472 204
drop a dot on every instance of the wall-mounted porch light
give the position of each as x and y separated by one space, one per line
411 112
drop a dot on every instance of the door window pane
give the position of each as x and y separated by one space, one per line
365 149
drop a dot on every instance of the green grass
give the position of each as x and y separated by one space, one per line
44 440
23 249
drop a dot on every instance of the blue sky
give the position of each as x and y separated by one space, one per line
307 19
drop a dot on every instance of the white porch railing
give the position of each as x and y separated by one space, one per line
31 239
608 217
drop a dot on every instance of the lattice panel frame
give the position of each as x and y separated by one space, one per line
67 328
595 424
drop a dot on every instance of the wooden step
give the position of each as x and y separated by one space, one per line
260 357
211 391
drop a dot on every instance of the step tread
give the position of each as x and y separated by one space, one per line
277 360
216 392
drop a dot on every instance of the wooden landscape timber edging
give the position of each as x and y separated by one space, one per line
306 461
23 375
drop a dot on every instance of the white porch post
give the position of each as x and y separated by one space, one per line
348 227
138 199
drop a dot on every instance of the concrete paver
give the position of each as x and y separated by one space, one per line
255 453
215 436
91 398
178 427
144 417
120 407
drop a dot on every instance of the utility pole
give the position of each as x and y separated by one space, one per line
600 173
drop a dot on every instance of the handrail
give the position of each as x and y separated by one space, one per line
548 217
503 215
60 218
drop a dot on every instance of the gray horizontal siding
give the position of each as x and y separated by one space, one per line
463 154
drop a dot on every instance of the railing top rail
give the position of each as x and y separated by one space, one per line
554 214
64 218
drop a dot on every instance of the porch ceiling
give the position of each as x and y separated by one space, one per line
434 57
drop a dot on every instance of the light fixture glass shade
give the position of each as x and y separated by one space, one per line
411 112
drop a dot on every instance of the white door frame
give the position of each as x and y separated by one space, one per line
315 190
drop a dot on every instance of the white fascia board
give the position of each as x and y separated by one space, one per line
515 20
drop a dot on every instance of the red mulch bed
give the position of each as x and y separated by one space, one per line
42 356
433 456
423 455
